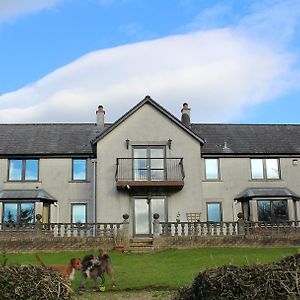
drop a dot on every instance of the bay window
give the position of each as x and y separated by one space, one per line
18 212
272 210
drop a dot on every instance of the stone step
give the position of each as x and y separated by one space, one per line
141 245
141 249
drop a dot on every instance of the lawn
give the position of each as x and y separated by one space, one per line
166 270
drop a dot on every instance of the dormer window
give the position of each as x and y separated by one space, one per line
23 170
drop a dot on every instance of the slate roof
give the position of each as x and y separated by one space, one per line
47 139
77 139
249 139
274 192
37 194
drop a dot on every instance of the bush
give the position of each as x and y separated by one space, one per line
261 282
33 283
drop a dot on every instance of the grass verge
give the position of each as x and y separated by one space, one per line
160 271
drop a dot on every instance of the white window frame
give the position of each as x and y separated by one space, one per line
264 162
73 169
218 177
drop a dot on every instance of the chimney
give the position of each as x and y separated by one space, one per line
185 117
100 116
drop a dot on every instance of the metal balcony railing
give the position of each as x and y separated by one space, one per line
149 170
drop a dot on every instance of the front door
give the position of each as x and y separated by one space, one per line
144 208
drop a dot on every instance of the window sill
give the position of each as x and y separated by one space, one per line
79 181
265 180
22 181
212 180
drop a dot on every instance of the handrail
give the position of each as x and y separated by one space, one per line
140 169
227 228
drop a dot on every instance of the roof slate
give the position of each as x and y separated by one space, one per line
45 139
253 139
73 139
250 193
37 194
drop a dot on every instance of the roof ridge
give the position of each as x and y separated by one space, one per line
248 124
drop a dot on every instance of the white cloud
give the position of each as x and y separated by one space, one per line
11 9
218 72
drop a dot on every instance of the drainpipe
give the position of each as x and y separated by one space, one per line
57 211
94 162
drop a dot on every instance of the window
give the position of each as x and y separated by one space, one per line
78 213
212 169
18 213
79 169
23 170
272 210
214 212
265 169
149 163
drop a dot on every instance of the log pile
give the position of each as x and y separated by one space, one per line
279 280
33 283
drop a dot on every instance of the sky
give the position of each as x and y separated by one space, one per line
233 61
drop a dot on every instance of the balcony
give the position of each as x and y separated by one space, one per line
149 173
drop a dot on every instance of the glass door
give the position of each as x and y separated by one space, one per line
148 163
144 209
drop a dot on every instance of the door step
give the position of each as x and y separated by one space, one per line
141 245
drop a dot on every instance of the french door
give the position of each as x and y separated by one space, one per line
149 163
144 208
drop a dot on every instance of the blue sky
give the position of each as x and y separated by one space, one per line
232 61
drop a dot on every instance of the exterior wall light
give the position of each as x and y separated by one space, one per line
169 143
127 143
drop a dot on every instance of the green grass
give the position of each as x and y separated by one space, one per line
166 270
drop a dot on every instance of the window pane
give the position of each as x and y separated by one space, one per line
214 212
140 164
264 211
212 169
10 213
141 212
78 213
79 169
157 163
272 168
157 174
157 153
257 170
15 169
279 210
140 153
158 206
26 213
32 169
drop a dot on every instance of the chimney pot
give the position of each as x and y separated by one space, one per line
100 116
185 117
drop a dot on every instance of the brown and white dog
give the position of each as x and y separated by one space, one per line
67 270
94 267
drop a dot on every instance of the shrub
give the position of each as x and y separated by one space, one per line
261 282
33 283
